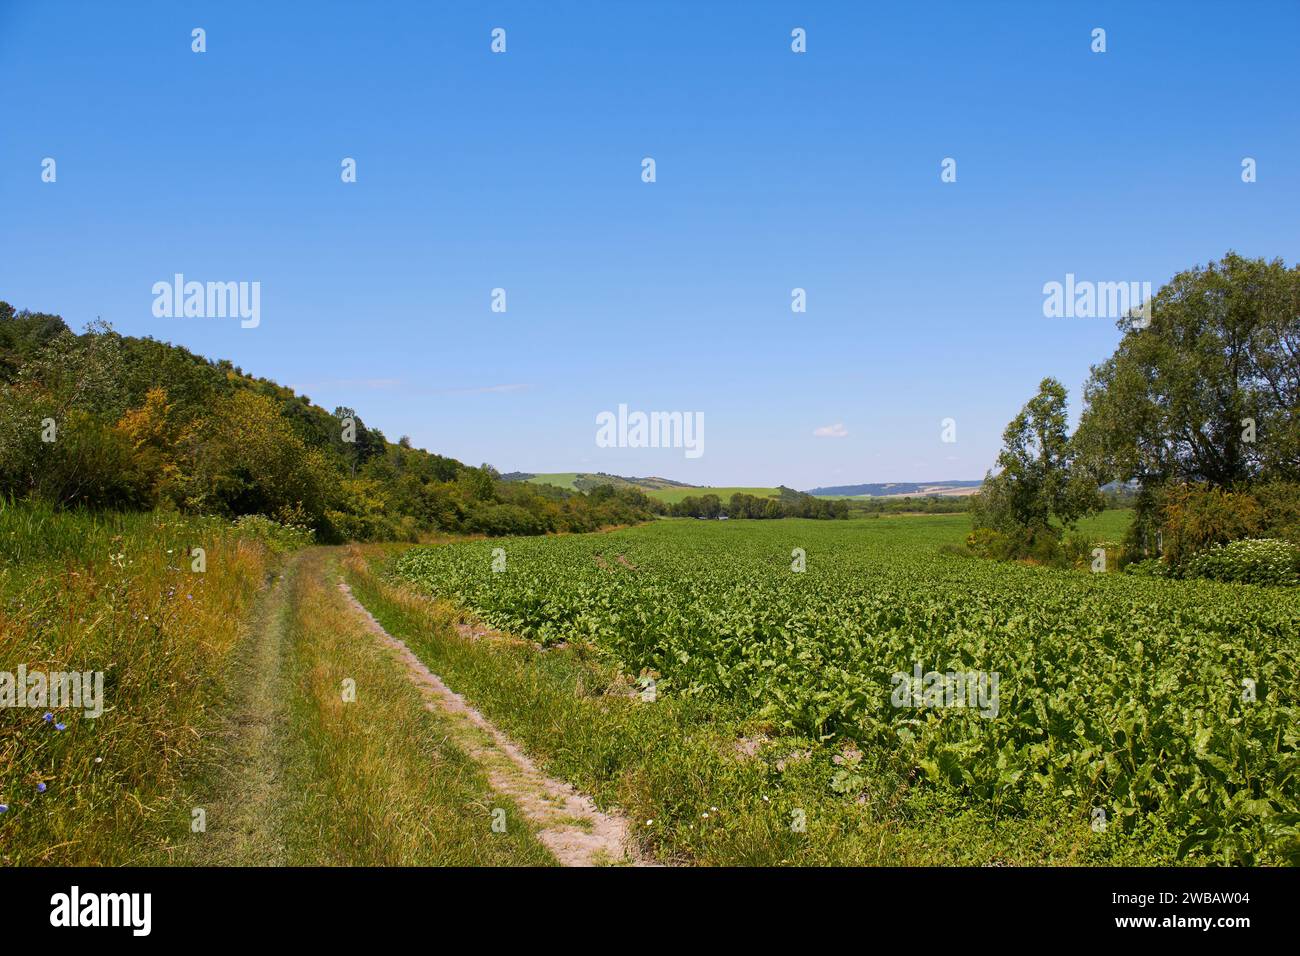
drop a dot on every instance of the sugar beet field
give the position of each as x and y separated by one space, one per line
1160 715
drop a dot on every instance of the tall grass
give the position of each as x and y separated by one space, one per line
113 593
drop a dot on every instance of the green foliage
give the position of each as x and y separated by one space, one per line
1207 394
114 592
279 537
906 504
1117 690
1180 522
139 424
1148 567
789 504
1039 487
1195 517
1249 561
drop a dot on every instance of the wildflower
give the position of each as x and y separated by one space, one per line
649 823
60 726
47 717
101 760
4 808
40 788
704 816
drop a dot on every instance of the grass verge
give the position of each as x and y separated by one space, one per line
117 594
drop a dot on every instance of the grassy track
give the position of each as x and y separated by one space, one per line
311 778
224 695
241 787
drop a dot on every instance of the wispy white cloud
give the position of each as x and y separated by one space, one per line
401 384
485 389
831 431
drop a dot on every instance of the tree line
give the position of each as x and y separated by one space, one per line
788 504
101 420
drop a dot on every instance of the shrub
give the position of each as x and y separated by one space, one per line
1196 517
280 537
1077 550
496 520
986 542
1148 567
1249 561
1281 503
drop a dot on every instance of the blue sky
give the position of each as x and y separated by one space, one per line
522 170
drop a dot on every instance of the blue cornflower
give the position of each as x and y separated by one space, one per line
4 808
60 726
40 788
48 717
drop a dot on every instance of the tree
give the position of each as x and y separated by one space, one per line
1209 391
1038 488
365 443
246 459
22 336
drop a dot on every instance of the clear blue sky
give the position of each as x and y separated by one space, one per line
522 171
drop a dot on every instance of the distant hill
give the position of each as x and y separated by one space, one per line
670 491
894 489
585 481
664 489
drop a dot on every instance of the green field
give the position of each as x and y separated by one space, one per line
560 479
1108 526
673 495
1117 695
669 494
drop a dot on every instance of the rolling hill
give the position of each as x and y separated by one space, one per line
664 489
898 489
669 491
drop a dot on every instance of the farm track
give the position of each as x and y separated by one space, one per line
568 823
243 819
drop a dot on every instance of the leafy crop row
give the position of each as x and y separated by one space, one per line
1138 696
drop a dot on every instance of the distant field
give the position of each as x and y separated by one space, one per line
560 479
1107 526
576 480
922 493
585 481
673 495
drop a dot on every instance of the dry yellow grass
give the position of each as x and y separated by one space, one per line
115 594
